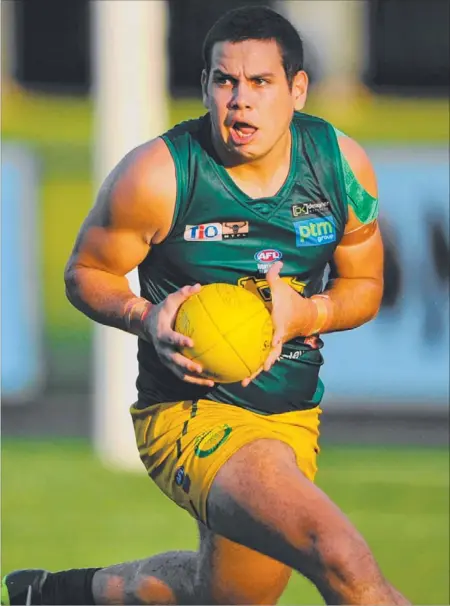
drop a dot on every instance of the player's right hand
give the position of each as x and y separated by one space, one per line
158 328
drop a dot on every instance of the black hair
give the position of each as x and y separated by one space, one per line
257 23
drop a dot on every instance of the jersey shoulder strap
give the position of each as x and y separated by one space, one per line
320 148
185 143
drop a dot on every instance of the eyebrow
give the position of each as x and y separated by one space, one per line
218 72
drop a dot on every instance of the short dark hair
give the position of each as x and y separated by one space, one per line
257 23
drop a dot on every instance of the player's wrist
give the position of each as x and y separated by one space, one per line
305 319
135 312
323 310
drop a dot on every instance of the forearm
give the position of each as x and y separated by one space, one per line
106 298
346 303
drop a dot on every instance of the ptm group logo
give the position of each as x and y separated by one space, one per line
315 232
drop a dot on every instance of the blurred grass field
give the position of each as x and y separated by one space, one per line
61 508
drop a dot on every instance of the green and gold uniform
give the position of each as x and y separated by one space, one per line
220 234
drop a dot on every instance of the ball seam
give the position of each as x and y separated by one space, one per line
224 335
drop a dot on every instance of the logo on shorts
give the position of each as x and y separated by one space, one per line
182 479
315 232
310 208
179 476
266 257
209 441
212 232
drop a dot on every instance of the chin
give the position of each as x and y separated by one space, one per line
245 154
245 151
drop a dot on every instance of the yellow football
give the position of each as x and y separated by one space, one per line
231 330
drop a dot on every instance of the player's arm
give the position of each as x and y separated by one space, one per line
354 292
133 210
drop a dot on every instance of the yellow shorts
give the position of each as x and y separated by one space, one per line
184 444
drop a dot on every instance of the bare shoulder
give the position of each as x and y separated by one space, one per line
360 164
140 192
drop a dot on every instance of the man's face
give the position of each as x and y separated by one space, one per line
249 98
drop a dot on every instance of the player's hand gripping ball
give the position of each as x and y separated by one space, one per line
231 329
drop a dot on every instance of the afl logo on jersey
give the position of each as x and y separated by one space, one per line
266 257
205 232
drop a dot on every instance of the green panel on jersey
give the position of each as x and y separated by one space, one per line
364 205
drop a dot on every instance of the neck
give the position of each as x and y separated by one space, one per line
263 176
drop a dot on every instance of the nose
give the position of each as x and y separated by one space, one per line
241 97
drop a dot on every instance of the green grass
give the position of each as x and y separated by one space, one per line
61 508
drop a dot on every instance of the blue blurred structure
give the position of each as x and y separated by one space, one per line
401 359
21 321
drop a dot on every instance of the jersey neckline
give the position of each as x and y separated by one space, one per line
269 202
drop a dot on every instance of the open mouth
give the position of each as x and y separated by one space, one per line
242 132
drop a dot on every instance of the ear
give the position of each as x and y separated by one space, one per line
204 83
300 89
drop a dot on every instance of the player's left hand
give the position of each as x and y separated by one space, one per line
289 312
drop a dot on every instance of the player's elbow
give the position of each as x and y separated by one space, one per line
71 283
374 299
372 314
70 289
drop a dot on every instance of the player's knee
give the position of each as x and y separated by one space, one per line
246 586
340 560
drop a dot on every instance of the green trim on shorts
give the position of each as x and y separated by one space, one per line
365 206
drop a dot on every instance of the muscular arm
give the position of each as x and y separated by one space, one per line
354 291
133 210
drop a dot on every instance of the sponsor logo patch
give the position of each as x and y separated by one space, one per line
315 232
211 232
310 208
231 230
205 232
266 257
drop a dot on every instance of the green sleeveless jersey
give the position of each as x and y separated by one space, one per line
220 234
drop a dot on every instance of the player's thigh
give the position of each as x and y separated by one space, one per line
230 573
262 500
184 444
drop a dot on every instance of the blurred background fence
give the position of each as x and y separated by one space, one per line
380 72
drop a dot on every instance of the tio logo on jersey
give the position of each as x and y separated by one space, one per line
205 232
